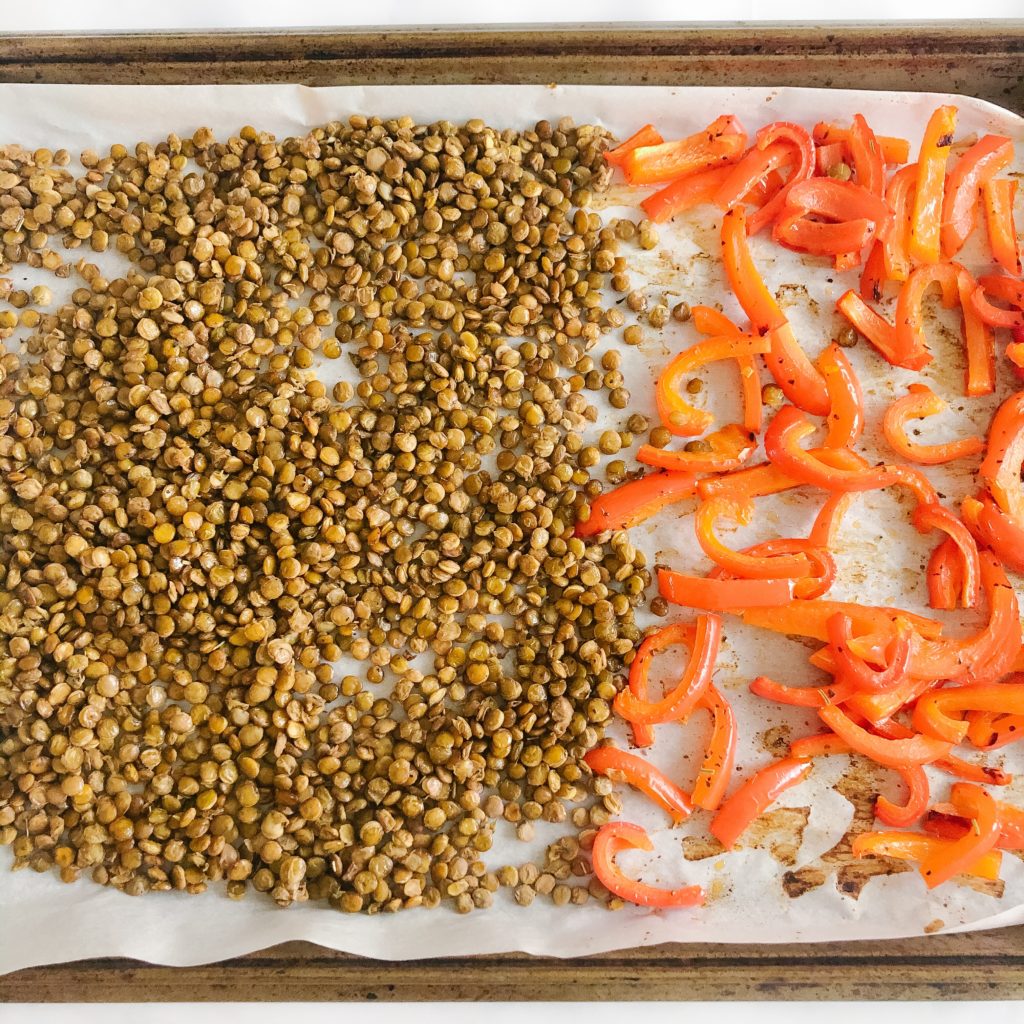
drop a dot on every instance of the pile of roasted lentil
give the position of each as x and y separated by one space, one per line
195 530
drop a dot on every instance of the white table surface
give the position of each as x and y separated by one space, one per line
81 15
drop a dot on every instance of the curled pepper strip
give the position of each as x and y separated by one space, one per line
990 730
787 362
896 753
641 775
802 696
696 678
932 712
720 143
872 280
633 502
760 481
754 797
720 755
822 744
846 413
684 194
866 154
722 594
910 328
799 140
987 157
810 619
1007 290
997 196
918 795
892 347
944 821
825 530
914 846
854 668
646 136
711 321
899 196
617 836
725 450
821 567
752 168
894 150
979 340
1001 468
944 576
995 529
931 177
640 668
918 403
677 415
951 764
932 516
973 802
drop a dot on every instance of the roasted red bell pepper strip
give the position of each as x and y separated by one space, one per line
633 502
899 196
646 136
853 668
677 415
839 201
720 755
1006 289
803 145
802 696
932 516
944 576
810 619
914 846
712 322
1004 459
932 712
1015 353
896 753
822 744
866 154
787 362
753 167
720 143
846 415
722 595
918 795
640 668
878 708
910 329
951 764
696 678
820 568
987 157
828 155
920 402
617 836
882 334
872 280
990 730
997 195
729 447
795 231
994 528
765 479
641 775
950 825
979 340
931 177
972 802
894 150
684 194
754 797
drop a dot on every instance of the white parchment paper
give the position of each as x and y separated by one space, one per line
43 921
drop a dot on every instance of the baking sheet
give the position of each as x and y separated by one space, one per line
753 893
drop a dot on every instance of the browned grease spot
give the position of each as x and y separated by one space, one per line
796 883
934 926
780 832
994 887
700 848
854 875
795 295
776 740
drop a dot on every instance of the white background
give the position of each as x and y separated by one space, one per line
76 15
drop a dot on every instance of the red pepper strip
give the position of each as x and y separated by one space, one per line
931 175
829 155
677 415
788 363
716 769
764 479
769 186
866 154
722 595
1015 353
872 280
753 167
846 415
802 696
840 201
856 670
828 520
730 448
951 764
633 502
621 835
646 136
931 715
914 846
820 573
878 708
882 334
910 330
1006 289
822 744
894 151
944 576
979 340
997 195
1001 469
950 825
801 141
987 157
990 730
791 566
684 194
754 797
919 403
642 775
720 143
640 668
994 528
899 196
919 793
896 753
810 619
974 803
683 699
711 321
932 516
796 232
